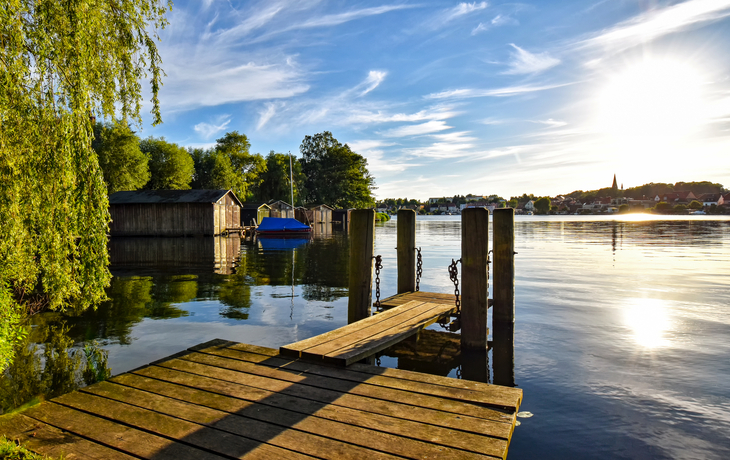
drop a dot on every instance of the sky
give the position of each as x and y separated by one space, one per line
447 97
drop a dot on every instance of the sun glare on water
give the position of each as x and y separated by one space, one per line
648 320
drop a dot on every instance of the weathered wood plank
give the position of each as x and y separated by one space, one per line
464 390
500 429
367 346
373 336
396 436
249 420
273 380
48 440
295 349
209 439
121 437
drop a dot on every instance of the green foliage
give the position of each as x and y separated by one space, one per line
9 450
62 62
171 166
57 370
274 180
122 162
694 204
662 207
542 205
623 209
229 165
335 175
382 217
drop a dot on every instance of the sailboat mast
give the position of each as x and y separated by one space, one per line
291 179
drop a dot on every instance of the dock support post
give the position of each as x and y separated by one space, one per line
503 314
406 250
474 255
362 232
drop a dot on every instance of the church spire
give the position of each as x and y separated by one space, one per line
615 185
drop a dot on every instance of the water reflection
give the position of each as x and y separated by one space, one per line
648 320
48 364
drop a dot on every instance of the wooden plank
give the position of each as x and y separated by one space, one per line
294 349
48 440
396 323
249 420
175 427
464 390
369 431
406 250
368 346
279 380
121 437
500 429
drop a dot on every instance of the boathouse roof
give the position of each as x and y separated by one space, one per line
169 196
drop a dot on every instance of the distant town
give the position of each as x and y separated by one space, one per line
660 198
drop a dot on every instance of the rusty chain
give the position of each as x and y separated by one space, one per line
454 275
419 268
378 267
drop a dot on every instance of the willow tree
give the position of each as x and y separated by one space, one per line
63 64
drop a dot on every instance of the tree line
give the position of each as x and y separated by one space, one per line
328 172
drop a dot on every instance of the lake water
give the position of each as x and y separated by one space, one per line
622 333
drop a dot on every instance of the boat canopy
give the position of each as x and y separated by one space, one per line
281 224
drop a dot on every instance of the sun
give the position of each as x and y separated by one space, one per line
656 101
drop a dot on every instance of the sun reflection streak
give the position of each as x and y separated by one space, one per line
649 320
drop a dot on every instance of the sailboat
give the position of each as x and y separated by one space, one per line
284 226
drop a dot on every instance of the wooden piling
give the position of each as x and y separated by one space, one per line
406 250
474 255
362 231
504 266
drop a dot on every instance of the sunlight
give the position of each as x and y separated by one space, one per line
651 107
649 319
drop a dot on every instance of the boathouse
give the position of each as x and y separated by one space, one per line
281 209
253 213
322 214
174 213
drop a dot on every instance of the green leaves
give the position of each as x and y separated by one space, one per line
171 166
63 63
335 175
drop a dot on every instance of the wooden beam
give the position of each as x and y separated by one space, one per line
474 254
406 242
362 232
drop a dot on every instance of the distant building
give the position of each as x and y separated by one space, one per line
282 209
253 213
174 212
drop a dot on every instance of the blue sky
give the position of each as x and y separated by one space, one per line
447 97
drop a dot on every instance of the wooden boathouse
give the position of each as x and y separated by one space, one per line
253 213
174 213
282 209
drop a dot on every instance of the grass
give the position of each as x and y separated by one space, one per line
9 450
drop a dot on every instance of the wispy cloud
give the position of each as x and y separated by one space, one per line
341 18
416 130
656 23
447 146
466 93
444 17
265 114
208 130
552 123
374 78
524 62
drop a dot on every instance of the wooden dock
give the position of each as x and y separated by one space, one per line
230 400
368 336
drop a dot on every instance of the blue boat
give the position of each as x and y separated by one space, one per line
282 227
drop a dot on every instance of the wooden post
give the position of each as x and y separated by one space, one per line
504 267
406 250
362 231
474 253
